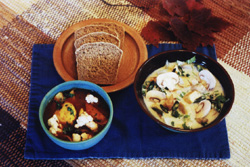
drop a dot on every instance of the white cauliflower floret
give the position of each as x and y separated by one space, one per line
59 97
91 99
53 130
76 137
53 123
83 119
86 136
92 125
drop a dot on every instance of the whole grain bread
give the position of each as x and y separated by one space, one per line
93 28
98 62
97 37
120 30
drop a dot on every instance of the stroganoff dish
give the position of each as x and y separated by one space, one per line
183 94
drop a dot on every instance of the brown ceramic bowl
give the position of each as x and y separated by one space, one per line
159 60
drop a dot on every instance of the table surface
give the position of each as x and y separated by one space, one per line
24 23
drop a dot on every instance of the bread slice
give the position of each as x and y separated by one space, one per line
93 28
120 30
97 37
98 62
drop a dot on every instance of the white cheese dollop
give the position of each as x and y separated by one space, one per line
83 119
91 99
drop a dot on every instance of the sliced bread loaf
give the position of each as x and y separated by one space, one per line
120 30
98 62
93 28
97 37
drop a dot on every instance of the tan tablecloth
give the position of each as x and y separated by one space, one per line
24 23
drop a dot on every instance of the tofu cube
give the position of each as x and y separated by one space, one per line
185 108
192 96
76 137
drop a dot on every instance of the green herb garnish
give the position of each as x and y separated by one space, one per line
182 94
219 101
200 99
172 123
151 85
164 108
69 95
185 126
157 110
192 60
175 113
58 105
199 67
203 123
71 111
67 129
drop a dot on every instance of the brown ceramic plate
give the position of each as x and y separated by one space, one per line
134 54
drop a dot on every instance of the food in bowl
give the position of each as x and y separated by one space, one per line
76 114
183 94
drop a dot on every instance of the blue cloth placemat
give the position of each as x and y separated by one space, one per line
132 134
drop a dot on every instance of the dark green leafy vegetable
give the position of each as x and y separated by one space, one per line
58 105
199 67
67 129
185 126
158 111
70 110
192 60
199 99
203 123
175 106
68 94
182 94
146 84
143 93
216 99
172 123
219 101
181 73
164 108
175 113
151 85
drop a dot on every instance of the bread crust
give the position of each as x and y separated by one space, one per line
97 37
93 28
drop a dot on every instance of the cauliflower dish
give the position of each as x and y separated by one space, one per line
183 94
76 115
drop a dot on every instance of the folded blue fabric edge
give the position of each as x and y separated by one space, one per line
31 154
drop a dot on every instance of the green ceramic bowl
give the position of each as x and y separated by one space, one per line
67 86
